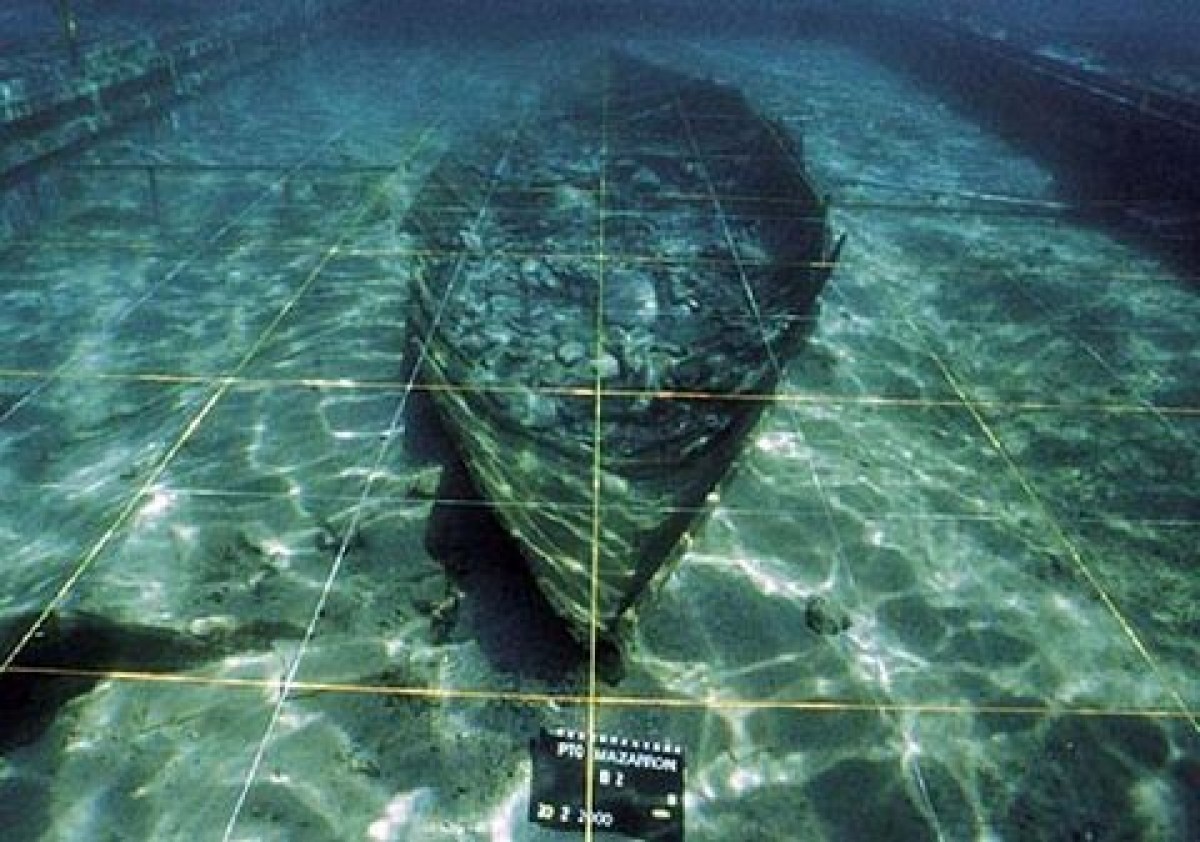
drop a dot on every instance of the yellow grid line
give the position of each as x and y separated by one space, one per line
448 694
597 392
419 500
880 704
591 699
589 775
416 500
589 391
286 683
990 205
986 204
980 274
179 267
223 385
289 678
122 517
1099 358
1059 533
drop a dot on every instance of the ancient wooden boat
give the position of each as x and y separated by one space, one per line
604 299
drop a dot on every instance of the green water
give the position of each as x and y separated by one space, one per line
984 461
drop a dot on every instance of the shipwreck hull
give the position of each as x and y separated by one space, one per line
601 310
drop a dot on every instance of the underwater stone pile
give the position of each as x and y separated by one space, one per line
628 279
529 273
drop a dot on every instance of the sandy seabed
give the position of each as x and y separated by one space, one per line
274 617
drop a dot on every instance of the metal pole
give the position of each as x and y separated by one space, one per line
70 28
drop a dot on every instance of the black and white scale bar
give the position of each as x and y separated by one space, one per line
638 785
